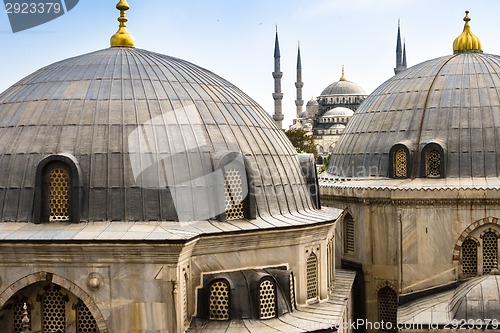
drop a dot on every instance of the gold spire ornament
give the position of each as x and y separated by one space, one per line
467 41
122 37
342 78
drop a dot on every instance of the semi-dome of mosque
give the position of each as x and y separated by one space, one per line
140 127
338 112
443 111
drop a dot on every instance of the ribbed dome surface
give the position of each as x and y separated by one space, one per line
95 107
477 299
343 87
453 100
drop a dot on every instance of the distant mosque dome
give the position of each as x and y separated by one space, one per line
431 118
312 102
343 88
339 112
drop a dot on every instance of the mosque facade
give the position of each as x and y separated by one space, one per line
416 174
141 193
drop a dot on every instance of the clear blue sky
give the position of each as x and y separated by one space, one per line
235 38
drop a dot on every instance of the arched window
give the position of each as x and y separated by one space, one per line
312 276
400 163
433 163
348 233
388 308
233 194
469 257
18 312
267 299
490 251
219 300
53 310
85 322
57 191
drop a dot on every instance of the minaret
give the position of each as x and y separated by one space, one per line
399 53
299 102
404 56
277 75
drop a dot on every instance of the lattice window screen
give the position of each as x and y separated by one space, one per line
490 251
348 234
85 322
469 257
267 300
59 195
18 316
233 193
388 308
400 163
433 163
219 301
53 311
312 276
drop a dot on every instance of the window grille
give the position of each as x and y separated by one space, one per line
219 301
400 163
388 308
59 195
267 300
433 163
53 311
85 322
233 193
18 316
490 251
469 257
348 234
312 276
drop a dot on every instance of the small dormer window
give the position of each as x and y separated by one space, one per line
267 299
219 300
233 195
433 163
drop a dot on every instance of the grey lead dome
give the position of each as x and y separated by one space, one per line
453 101
93 108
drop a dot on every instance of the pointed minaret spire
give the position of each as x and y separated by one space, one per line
400 54
277 75
404 56
299 102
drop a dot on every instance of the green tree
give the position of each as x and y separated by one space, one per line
302 141
326 163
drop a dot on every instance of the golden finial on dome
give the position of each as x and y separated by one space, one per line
342 78
122 37
467 41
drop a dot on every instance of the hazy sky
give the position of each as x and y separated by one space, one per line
235 38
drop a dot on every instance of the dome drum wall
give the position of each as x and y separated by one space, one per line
145 130
453 101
